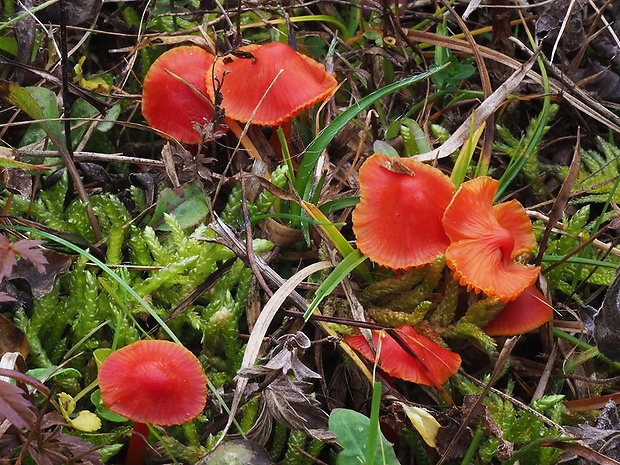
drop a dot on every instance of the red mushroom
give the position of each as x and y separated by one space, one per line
169 104
246 80
431 366
526 313
398 220
152 381
489 243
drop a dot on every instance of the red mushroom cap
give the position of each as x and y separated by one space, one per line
487 241
526 313
302 83
168 104
152 381
432 365
398 220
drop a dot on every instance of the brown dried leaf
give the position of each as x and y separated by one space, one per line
607 322
12 339
289 402
42 282
563 17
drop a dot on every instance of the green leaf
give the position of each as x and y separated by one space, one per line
45 374
81 109
352 429
188 206
110 118
380 146
103 411
38 103
6 161
100 355
83 420
9 45
340 203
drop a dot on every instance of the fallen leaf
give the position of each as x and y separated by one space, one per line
12 339
607 322
423 422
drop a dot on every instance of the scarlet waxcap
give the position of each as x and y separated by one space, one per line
153 381
487 242
168 103
244 81
526 313
432 365
397 223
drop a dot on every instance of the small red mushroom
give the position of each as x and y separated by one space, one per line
431 366
245 82
526 313
397 223
169 104
489 243
152 381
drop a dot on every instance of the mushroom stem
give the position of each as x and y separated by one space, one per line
136 453
245 140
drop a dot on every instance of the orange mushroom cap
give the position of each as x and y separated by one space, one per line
244 82
169 104
153 381
487 241
397 223
526 313
432 365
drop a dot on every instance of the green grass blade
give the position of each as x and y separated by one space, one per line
348 264
303 184
107 271
579 260
373 428
333 233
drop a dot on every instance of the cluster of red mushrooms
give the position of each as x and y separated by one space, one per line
409 214
161 382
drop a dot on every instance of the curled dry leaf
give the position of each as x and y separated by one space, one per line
288 399
12 339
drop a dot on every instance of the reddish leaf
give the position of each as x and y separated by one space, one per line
431 366
15 407
29 250
7 257
4 297
26 248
